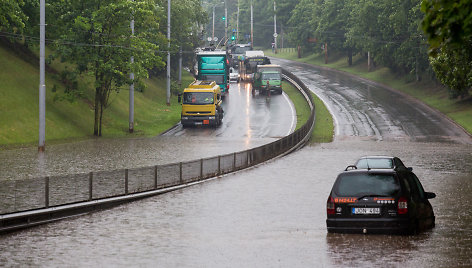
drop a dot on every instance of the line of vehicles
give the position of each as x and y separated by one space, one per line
215 69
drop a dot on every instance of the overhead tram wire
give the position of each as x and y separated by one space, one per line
72 43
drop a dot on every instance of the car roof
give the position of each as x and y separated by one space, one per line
373 170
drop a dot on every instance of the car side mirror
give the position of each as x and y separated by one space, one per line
410 169
430 195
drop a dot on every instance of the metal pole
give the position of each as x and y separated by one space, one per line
237 25
42 84
168 53
131 88
180 66
226 22
275 28
252 27
213 29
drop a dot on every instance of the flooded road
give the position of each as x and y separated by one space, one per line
274 215
247 116
365 109
250 121
270 216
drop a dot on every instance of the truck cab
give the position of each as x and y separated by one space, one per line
268 78
214 66
201 104
252 60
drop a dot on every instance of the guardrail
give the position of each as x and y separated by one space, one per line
25 203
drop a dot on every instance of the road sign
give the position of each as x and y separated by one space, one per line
275 35
209 39
215 39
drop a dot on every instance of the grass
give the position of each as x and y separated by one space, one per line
324 128
68 121
434 95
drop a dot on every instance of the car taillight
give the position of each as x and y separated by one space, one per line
227 86
330 208
402 205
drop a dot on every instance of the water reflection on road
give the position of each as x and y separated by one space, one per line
269 216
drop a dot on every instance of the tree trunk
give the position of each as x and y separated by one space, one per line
349 56
326 52
97 102
369 64
101 116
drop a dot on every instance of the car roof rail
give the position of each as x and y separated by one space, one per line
350 167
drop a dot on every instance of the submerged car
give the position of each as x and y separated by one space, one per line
381 162
380 200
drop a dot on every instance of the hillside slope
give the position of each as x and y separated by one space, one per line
19 97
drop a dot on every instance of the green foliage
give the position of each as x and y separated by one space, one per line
103 29
388 29
448 26
12 17
447 22
459 77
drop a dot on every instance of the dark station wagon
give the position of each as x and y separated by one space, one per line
379 200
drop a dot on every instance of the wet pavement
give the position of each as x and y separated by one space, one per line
249 116
270 216
274 215
250 121
365 109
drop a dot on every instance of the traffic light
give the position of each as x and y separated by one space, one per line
233 37
223 18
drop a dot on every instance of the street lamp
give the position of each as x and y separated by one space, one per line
213 22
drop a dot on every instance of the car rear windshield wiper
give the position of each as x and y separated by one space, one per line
372 195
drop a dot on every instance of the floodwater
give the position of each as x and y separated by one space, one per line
269 216
273 215
250 121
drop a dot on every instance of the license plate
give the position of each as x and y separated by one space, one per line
365 210
206 122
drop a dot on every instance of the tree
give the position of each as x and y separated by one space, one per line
447 22
95 36
12 17
448 27
301 23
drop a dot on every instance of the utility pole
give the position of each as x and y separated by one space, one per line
252 27
168 53
42 83
180 66
131 87
275 29
226 24
237 25
213 29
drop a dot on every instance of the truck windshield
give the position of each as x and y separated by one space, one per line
240 50
219 79
198 98
270 76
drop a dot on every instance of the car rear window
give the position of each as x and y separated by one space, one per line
375 163
358 185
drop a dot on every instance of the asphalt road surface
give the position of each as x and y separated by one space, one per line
247 116
274 215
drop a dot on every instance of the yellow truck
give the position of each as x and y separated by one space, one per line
201 104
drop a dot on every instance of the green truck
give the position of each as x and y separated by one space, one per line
268 78
214 66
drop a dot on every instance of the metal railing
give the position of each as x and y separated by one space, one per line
24 203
